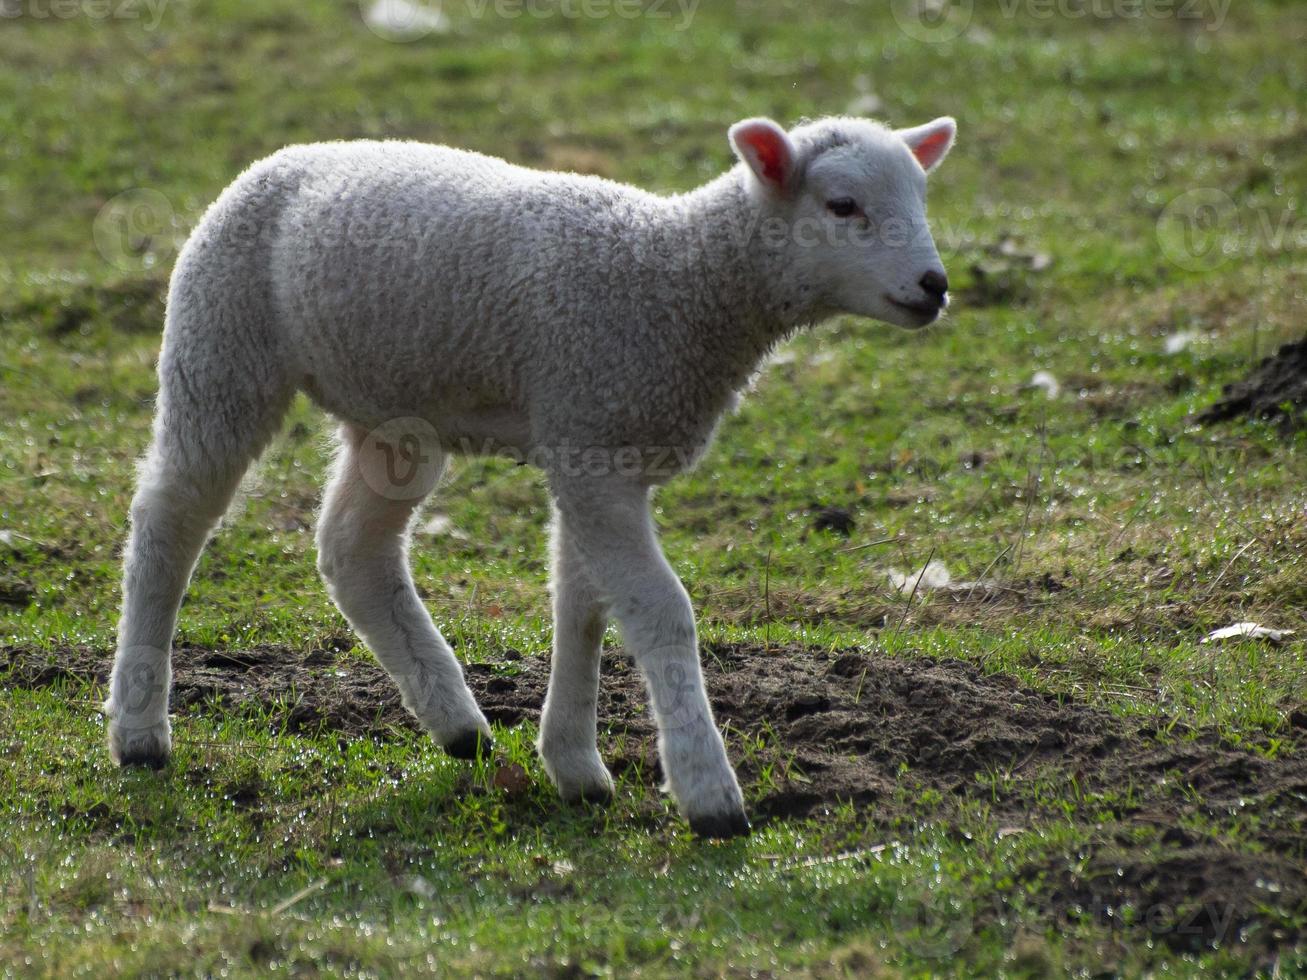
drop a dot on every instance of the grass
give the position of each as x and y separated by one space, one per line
1120 532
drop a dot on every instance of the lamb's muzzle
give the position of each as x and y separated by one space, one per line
935 283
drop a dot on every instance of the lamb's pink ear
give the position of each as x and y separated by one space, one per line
930 143
767 151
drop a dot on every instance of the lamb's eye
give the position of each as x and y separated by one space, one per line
842 207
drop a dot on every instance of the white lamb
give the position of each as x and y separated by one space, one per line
438 301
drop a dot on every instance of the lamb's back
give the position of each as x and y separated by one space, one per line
444 272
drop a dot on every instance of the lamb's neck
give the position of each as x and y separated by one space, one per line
740 290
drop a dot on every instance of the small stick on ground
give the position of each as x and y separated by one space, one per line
299 896
869 544
843 857
913 594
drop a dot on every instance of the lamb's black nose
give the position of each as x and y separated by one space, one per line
935 283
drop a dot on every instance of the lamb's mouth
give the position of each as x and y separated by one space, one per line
926 311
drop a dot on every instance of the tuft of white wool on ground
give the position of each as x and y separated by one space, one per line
404 20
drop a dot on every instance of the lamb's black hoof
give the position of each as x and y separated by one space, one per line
471 745
721 826
141 757
592 797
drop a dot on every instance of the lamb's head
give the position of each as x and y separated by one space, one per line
848 198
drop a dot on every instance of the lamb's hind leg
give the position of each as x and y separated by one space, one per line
363 556
568 722
172 514
205 437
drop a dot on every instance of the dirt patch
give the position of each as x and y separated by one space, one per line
908 739
842 726
1276 389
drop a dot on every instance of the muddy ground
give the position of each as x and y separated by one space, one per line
880 733
1275 389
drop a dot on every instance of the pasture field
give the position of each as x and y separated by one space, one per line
1042 771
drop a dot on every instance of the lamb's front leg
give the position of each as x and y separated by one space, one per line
568 723
609 522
